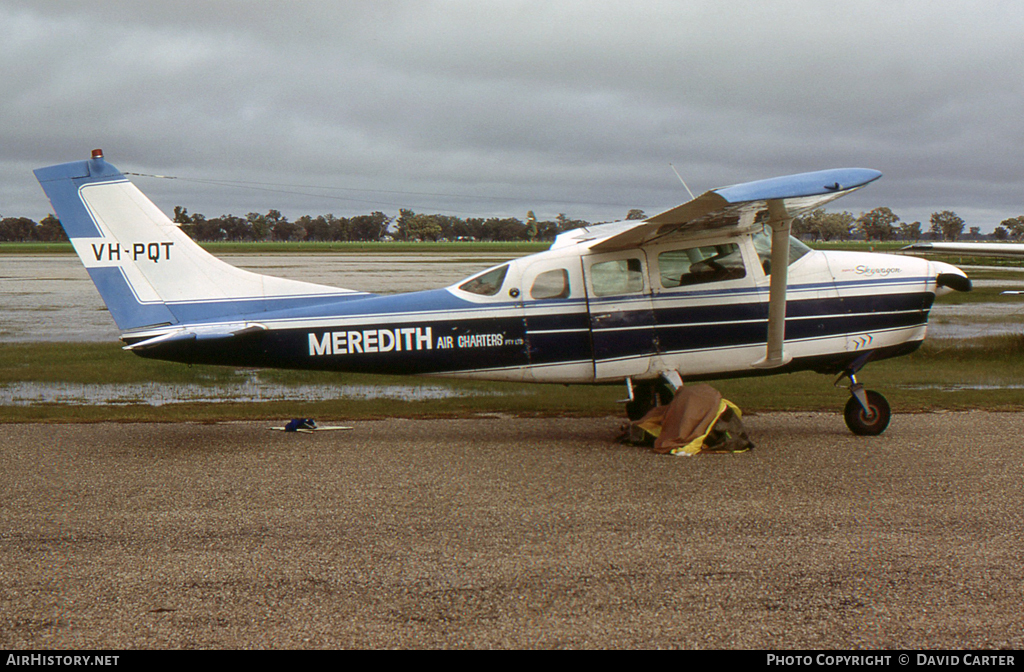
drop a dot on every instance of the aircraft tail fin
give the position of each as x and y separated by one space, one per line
147 270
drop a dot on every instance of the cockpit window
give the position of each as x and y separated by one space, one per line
763 245
699 265
487 283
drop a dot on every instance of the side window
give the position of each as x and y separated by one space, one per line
487 283
622 276
552 284
700 265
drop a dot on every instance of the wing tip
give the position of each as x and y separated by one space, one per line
815 183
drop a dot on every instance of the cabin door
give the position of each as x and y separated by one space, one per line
557 324
621 314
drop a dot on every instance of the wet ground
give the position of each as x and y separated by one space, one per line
512 533
973 320
250 390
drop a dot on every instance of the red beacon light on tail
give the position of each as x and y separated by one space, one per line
97 153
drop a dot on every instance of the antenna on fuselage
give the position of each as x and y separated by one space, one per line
681 180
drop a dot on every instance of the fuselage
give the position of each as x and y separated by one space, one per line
569 315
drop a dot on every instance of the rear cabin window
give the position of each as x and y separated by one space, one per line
552 284
622 276
701 265
487 283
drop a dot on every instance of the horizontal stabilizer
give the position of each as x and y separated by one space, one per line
197 334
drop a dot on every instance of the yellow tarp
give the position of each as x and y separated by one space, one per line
682 426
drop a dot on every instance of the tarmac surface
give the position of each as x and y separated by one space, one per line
512 533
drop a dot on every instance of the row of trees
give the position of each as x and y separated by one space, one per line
879 224
408 225
23 230
275 226
884 224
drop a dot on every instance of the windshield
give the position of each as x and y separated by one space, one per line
763 245
487 283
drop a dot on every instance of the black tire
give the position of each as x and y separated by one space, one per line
643 401
645 397
665 394
871 423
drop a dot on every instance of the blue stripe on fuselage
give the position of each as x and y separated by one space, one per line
427 304
257 308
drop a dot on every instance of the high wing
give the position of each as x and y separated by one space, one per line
742 206
740 209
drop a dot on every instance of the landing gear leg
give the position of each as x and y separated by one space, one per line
867 413
645 395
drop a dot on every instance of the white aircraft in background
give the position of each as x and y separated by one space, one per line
714 288
986 249
980 249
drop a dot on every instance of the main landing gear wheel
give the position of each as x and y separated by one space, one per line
647 395
870 421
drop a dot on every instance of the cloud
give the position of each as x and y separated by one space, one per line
552 106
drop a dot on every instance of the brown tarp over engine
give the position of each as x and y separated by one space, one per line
697 419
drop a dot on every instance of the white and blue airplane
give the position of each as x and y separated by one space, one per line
714 288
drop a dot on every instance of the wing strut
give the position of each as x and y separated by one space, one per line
781 223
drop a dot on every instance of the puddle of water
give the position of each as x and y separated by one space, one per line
973 320
962 331
959 387
160 394
1004 284
989 310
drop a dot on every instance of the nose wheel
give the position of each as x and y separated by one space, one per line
867 418
867 413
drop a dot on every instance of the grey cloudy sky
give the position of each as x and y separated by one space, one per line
496 108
